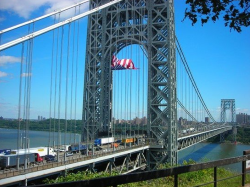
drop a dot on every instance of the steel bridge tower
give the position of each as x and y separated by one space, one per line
227 104
149 24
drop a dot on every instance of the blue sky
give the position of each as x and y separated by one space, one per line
218 58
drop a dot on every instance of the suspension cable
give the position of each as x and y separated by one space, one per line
42 17
192 79
47 29
187 112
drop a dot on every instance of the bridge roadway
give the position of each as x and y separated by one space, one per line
12 176
187 140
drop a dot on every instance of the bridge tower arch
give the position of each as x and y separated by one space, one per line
227 104
151 25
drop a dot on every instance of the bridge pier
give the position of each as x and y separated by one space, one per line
24 183
127 162
235 133
92 167
17 163
222 137
63 173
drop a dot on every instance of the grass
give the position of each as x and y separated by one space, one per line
184 180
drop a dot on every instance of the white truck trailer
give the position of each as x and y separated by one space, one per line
42 151
8 161
102 141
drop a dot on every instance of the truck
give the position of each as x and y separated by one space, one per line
5 151
76 147
128 140
42 151
8 161
102 141
66 147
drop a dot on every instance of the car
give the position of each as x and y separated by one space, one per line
69 154
49 158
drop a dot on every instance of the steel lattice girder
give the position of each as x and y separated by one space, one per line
162 82
227 104
185 142
151 25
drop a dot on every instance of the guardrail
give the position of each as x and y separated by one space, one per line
47 165
149 175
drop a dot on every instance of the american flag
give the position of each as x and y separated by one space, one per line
117 64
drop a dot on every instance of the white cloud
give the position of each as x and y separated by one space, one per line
26 74
8 59
26 7
57 5
242 110
3 74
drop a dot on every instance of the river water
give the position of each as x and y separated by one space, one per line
199 152
213 151
8 138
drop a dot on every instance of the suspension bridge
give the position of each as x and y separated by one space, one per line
159 87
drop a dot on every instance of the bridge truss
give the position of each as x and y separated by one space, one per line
227 104
209 131
149 24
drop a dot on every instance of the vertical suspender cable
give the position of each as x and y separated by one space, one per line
130 101
51 85
113 100
189 94
182 90
26 90
143 87
72 81
94 82
25 86
55 94
66 91
20 102
130 87
29 85
76 70
192 102
60 87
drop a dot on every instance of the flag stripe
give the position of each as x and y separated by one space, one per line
117 64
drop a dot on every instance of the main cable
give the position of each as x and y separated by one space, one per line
191 78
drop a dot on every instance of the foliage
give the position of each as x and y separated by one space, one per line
235 13
83 175
186 179
44 125
242 136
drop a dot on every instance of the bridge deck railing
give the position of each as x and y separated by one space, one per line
149 175
78 158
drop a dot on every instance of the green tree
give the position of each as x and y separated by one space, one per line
236 14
